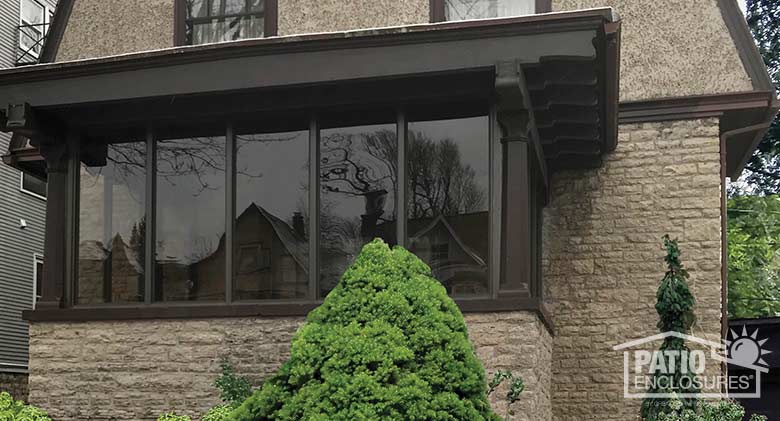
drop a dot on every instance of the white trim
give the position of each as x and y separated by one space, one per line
23 190
37 258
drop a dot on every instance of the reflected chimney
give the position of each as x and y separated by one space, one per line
298 226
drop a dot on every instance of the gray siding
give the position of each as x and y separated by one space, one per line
17 246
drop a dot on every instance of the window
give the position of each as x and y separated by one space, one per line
190 219
278 208
452 10
358 179
272 197
209 21
447 214
34 20
33 185
37 277
112 224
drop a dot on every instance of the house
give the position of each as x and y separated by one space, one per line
23 25
535 151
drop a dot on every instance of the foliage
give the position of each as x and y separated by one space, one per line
170 416
675 309
218 413
763 171
233 389
13 410
516 387
720 411
754 256
387 343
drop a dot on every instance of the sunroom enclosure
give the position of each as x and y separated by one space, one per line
242 178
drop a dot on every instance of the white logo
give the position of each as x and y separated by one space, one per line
647 370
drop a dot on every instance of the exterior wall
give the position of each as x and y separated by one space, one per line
603 256
15 384
672 48
308 16
100 28
17 246
139 369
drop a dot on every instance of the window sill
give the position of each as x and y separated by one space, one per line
257 309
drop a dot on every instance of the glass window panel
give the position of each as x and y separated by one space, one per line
112 225
447 203
197 8
227 7
33 184
190 243
358 176
271 227
32 17
256 5
482 9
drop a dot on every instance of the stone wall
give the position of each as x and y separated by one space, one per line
603 256
311 16
15 384
139 369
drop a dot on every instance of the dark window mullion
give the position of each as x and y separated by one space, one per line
495 203
401 184
151 223
314 205
230 208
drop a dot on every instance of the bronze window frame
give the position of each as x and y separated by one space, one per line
270 24
437 9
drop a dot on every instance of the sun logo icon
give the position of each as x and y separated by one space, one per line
746 350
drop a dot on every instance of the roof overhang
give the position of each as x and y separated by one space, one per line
570 62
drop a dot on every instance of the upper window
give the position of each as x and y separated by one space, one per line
37 277
483 9
209 21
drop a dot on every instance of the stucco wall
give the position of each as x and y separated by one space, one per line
100 28
139 369
672 48
604 259
307 16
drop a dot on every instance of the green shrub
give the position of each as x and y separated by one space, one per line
720 411
170 416
233 389
218 413
13 410
387 343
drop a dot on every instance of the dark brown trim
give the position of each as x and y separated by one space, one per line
259 309
746 46
51 45
689 107
179 15
611 78
437 11
543 6
724 254
271 28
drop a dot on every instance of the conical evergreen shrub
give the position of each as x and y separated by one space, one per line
387 343
674 306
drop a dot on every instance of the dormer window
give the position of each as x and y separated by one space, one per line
211 21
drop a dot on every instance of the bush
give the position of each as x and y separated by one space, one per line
721 411
218 413
387 343
233 389
13 410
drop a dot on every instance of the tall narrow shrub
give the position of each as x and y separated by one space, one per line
675 309
387 343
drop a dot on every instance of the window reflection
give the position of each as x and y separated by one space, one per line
209 21
358 177
190 243
482 9
447 204
112 225
271 229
